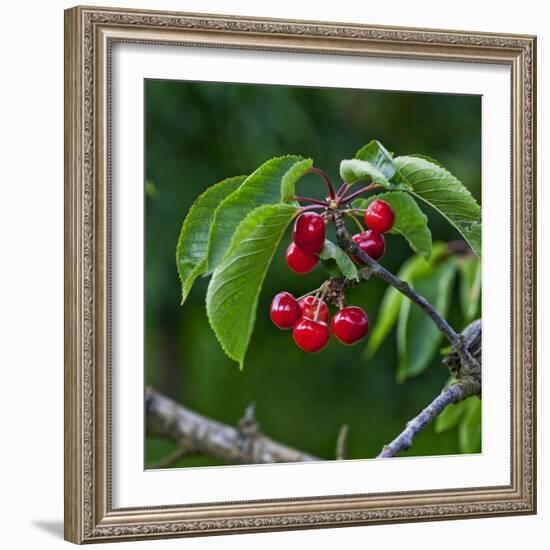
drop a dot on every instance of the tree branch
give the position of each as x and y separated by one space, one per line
466 386
243 445
451 394
247 445
469 364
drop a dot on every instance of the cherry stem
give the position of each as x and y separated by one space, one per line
311 207
308 294
341 191
319 302
312 201
359 192
318 171
358 223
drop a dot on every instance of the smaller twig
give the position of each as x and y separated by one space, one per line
312 201
371 187
315 291
342 443
451 394
309 207
318 171
173 457
318 309
341 191
374 268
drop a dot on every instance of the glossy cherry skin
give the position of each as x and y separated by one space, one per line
309 305
379 216
300 262
350 324
285 310
370 242
309 232
311 336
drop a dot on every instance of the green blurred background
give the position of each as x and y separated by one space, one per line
200 133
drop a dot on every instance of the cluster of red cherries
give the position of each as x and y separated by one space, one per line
308 317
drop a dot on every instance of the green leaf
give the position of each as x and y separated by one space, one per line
344 262
288 182
416 266
272 183
451 416
470 287
469 431
232 297
418 336
354 170
444 192
387 316
429 159
410 221
193 238
375 153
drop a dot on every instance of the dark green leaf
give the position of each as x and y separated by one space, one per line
232 296
470 287
416 266
469 431
271 183
418 336
444 192
193 239
375 153
410 221
344 262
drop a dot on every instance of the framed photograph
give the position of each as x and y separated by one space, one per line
282 239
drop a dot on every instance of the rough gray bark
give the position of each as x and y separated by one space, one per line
198 434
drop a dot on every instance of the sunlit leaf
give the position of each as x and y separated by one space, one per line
429 159
354 170
377 155
444 192
232 296
272 183
193 239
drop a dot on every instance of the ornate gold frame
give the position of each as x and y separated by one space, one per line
89 35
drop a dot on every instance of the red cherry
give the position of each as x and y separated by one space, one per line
311 336
285 310
309 305
370 242
300 261
379 216
309 232
350 324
